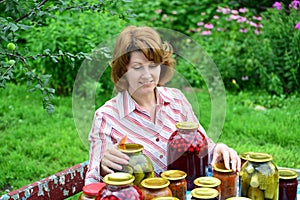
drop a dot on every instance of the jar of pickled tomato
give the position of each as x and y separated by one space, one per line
155 187
259 177
119 186
177 183
228 179
204 193
188 151
288 184
90 191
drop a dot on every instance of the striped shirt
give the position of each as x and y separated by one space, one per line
122 116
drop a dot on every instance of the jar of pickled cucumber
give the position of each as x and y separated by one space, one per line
177 183
288 184
228 179
155 187
90 191
140 165
259 177
119 186
188 151
204 193
208 182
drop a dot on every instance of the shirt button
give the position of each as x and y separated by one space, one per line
161 156
157 139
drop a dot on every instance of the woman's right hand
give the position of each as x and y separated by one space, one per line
113 159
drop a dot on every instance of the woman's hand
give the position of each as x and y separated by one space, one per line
113 159
228 155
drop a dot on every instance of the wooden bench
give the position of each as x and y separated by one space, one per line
57 186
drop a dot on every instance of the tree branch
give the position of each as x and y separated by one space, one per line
27 14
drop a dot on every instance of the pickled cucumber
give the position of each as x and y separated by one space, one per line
255 194
254 180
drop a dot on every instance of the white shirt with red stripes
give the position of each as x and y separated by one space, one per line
122 116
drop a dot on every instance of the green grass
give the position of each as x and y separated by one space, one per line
35 145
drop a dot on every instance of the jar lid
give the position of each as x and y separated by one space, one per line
130 147
165 198
287 174
245 155
238 198
187 125
155 183
173 175
93 188
207 181
204 193
259 157
118 178
220 167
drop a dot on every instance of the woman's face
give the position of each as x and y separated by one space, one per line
142 74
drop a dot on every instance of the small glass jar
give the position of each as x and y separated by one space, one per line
90 191
204 193
177 183
188 151
140 165
259 177
208 182
155 187
119 186
228 180
288 184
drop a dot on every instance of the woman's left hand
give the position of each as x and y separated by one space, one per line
228 155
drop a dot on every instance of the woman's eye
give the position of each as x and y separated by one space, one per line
153 65
137 67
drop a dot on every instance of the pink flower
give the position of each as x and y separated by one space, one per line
206 32
243 30
235 12
225 10
295 4
298 25
200 23
253 24
277 5
257 31
216 17
243 10
209 26
241 19
158 11
258 18
234 17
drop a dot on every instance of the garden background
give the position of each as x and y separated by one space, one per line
254 44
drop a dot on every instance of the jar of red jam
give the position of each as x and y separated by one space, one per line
228 180
140 165
119 186
208 182
205 193
259 177
288 184
188 152
177 183
155 187
90 191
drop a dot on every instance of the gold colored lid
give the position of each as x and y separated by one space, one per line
155 183
173 175
287 174
238 198
187 125
118 178
220 167
259 157
130 147
165 198
204 193
245 155
207 181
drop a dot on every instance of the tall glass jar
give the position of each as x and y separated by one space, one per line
259 177
288 184
155 187
188 152
90 191
140 165
204 193
119 186
228 180
208 182
177 183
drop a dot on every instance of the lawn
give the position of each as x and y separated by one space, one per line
35 144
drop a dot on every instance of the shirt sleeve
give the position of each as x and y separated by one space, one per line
98 138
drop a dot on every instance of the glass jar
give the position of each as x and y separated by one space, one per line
288 184
259 177
119 186
228 180
208 182
238 198
165 198
188 152
177 183
90 191
155 187
204 193
140 165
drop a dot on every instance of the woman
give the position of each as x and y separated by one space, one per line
143 111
